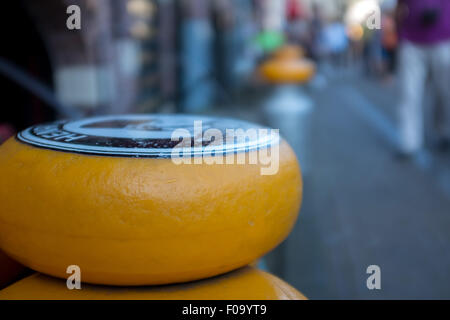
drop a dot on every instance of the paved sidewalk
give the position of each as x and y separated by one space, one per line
362 206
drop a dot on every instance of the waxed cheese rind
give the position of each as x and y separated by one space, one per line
128 221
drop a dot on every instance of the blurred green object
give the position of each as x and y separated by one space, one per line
270 40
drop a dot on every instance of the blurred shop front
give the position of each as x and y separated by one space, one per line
128 56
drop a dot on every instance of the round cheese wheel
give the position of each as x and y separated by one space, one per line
289 52
9 270
243 284
288 71
108 195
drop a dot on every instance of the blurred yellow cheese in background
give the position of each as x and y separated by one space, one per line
288 71
289 52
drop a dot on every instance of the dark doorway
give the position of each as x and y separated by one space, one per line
22 46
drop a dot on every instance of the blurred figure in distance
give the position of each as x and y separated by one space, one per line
389 41
424 30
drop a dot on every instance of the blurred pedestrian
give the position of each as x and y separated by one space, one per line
372 51
424 29
297 28
389 41
316 26
336 42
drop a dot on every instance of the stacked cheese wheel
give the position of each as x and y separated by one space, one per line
141 200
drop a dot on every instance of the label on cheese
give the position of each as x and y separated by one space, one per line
153 136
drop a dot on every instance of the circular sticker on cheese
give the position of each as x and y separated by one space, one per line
153 136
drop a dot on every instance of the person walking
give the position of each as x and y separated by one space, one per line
424 32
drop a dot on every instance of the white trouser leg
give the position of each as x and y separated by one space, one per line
412 73
440 71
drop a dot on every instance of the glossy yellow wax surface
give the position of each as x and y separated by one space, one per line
243 284
129 221
288 71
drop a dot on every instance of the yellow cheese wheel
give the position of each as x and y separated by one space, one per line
288 71
289 52
9 270
243 284
137 220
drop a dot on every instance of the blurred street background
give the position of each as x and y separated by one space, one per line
370 121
